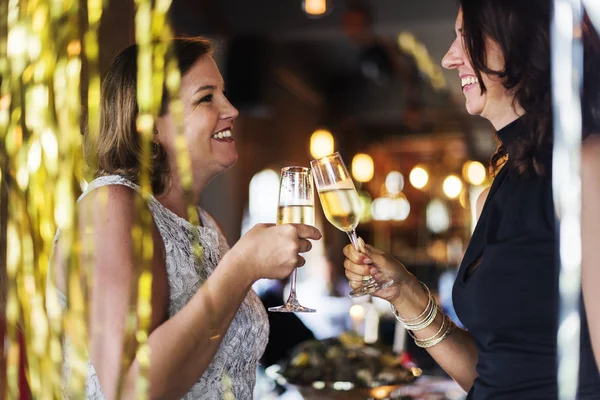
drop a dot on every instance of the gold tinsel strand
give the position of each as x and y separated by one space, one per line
41 142
68 99
4 181
150 25
137 332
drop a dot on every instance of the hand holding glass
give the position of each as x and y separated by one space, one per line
342 207
296 206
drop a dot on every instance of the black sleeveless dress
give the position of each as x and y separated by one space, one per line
509 302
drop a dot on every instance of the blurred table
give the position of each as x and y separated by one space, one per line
424 388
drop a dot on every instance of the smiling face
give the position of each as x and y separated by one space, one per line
208 122
497 103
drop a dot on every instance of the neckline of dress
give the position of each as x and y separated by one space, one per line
508 135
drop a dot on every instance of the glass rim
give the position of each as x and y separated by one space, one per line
336 154
295 168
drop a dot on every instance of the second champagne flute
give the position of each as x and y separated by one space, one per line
342 207
296 206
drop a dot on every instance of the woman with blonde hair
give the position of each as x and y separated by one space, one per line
208 328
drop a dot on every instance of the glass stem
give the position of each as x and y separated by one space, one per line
353 238
292 295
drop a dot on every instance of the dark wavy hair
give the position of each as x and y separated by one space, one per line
116 148
522 30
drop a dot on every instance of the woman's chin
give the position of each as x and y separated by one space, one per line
227 161
473 109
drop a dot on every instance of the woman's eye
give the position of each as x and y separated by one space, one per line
206 99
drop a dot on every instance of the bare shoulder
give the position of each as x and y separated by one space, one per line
481 201
109 201
109 213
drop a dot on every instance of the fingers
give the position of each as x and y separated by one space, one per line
300 262
355 256
359 269
307 232
373 251
353 277
304 246
377 256
378 276
354 280
301 231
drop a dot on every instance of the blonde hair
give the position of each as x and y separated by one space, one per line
116 148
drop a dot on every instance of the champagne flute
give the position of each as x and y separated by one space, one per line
342 207
296 206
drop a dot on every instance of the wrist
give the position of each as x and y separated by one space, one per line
235 264
412 299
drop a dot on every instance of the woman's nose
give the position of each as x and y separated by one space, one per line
453 58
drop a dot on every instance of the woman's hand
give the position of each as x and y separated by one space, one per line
272 251
380 265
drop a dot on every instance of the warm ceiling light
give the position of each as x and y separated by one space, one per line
452 186
418 177
363 168
321 143
394 182
437 216
315 7
474 172
401 208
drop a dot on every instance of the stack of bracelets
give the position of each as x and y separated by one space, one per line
425 319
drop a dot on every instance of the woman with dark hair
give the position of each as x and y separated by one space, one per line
506 291
208 328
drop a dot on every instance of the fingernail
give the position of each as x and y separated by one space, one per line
367 260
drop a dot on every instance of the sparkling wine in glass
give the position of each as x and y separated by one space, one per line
342 207
296 206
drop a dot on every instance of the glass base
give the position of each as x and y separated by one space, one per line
370 286
292 305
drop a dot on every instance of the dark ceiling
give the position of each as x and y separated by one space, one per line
358 71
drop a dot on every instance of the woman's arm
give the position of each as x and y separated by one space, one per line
456 354
590 235
182 347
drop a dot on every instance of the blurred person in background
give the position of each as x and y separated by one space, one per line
208 328
506 291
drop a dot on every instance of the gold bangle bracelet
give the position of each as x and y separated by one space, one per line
430 299
430 313
447 332
436 334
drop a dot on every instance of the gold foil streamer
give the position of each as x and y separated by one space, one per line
152 35
157 68
39 97
40 137
142 232
92 50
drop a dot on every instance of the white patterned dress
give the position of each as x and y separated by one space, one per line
246 339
